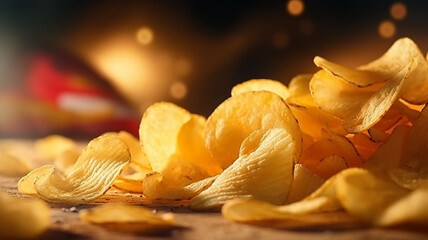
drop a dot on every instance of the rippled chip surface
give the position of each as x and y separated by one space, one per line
263 171
92 175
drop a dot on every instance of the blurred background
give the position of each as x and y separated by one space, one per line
81 68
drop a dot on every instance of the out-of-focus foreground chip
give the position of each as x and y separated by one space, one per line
22 218
127 217
92 175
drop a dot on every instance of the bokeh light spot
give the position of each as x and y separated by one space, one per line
295 7
398 11
145 35
387 29
178 90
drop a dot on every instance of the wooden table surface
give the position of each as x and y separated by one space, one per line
66 224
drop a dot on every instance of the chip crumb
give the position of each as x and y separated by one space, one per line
73 209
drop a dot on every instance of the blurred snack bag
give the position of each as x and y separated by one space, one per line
61 94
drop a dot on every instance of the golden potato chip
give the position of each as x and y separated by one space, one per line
300 93
237 117
130 183
304 183
413 208
360 108
22 218
261 85
330 165
393 61
263 171
330 154
387 156
138 158
171 139
366 196
159 129
11 165
324 199
157 187
26 183
127 217
54 145
92 175
364 144
191 146
66 160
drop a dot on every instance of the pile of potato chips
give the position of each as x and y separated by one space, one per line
342 138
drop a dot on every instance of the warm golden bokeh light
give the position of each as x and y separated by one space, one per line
387 29
183 67
280 40
178 90
398 10
295 7
145 35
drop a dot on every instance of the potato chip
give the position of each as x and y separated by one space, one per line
364 144
54 145
360 108
130 183
171 138
300 94
26 183
387 156
393 61
22 218
237 117
11 165
413 208
304 183
366 196
262 85
263 171
157 187
92 175
66 160
322 200
330 155
191 146
138 158
127 218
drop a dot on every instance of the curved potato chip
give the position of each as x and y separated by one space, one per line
412 208
159 129
191 145
330 165
92 175
138 157
237 117
261 85
130 183
22 218
119 213
157 187
54 145
393 61
336 151
11 165
360 108
165 130
300 93
26 183
304 183
66 160
366 196
263 171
